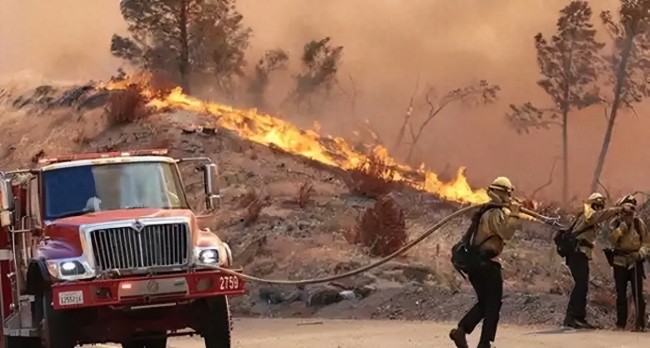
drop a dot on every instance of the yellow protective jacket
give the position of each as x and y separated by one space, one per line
627 240
587 221
496 226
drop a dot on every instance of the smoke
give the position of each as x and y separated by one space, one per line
61 40
389 44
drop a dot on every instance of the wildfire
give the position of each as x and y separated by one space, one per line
334 151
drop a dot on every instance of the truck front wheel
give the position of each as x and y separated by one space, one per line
146 343
216 323
56 326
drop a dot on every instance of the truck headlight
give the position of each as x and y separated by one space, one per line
70 269
209 257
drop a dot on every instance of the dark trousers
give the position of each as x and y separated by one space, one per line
488 285
579 266
635 275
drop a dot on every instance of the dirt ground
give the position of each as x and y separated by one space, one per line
283 333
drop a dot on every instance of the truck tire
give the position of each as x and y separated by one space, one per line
21 342
217 323
56 326
146 343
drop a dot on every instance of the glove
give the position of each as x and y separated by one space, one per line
643 253
627 208
514 208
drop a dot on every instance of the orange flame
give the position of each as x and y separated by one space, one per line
268 130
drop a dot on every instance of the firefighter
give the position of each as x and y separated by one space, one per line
631 244
495 226
584 227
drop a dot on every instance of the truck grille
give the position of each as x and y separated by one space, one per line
154 246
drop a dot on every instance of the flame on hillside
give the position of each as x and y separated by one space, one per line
334 151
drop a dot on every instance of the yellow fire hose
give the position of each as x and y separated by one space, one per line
380 262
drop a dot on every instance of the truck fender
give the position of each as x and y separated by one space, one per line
37 276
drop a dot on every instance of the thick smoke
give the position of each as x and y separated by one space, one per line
388 45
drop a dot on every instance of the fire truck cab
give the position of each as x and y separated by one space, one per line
104 248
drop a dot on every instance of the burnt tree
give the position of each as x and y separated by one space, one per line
320 61
629 65
271 61
569 64
474 94
183 37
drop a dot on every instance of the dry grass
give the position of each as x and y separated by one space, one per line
126 106
305 191
372 178
382 228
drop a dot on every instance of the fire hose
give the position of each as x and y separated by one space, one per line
402 250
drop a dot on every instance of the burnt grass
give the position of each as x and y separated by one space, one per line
285 232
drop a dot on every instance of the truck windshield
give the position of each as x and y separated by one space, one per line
82 189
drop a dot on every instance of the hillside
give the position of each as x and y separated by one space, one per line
276 232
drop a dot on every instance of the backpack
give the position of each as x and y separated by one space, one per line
465 256
566 240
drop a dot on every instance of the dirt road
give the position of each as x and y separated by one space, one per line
283 333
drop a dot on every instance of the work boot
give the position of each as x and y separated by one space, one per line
485 345
583 324
570 322
458 335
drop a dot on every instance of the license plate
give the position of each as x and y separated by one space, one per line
68 298
228 283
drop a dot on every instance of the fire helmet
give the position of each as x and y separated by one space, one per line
596 197
502 183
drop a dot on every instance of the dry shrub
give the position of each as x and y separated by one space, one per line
382 228
371 178
127 105
303 197
246 199
252 204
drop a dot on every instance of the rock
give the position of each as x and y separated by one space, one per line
324 297
95 101
297 295
412 272
365 290
270 295
346 266
348 295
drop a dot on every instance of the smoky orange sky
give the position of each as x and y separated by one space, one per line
388 44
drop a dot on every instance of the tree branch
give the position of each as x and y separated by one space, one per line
548 183
407 117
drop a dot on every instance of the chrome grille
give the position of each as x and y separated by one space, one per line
154 246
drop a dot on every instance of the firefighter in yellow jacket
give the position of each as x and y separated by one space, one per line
584 227
630 247
495 226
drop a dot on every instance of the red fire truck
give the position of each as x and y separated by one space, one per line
104 247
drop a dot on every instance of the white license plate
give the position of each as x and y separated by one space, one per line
68 298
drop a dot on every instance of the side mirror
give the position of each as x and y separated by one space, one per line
6 202
212 197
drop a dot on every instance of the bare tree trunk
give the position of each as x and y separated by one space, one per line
565 155
184 61
620 79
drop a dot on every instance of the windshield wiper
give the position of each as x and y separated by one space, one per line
73 213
